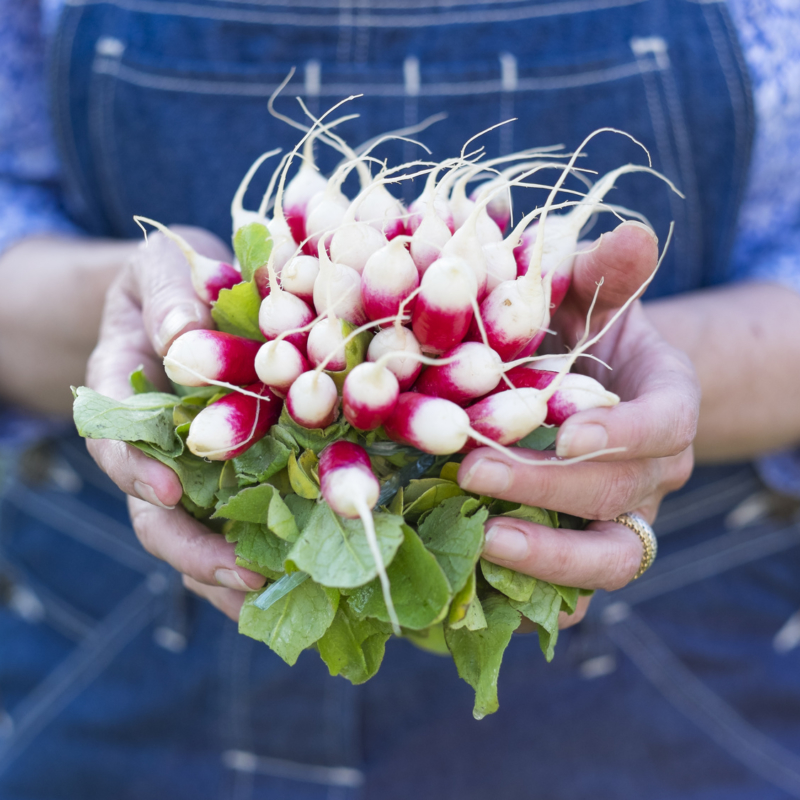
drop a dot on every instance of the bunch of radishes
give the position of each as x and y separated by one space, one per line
456 307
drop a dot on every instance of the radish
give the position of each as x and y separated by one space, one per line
507 417
576 393
430 424
281 311
354 243
312 400
299 275
279 364
403 346
209 277
226 429
388 279
351 489
338 289
369 396
473 371
430 221
326 343
306 183
217 355
444 306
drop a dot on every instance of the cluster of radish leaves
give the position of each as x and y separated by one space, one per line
323 591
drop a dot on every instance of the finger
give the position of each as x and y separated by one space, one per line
604 556
623 259
181 541
660 408
589 489
566 620
228 601
169 303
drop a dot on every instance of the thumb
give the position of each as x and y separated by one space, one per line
170 306
624 258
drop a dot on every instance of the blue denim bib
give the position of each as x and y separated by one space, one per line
115 683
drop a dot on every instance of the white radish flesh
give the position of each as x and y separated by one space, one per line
369 396
312 400
299 275
389 277
398 340
279 364
214 355
354 243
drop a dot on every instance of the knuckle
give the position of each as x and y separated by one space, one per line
623 564
618 490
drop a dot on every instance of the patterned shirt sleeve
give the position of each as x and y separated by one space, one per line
768 240
30 199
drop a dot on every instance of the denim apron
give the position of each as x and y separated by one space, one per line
114 683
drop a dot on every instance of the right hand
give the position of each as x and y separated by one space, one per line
148 306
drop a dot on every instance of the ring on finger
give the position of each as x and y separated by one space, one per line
646 535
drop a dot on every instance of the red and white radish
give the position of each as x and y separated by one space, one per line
389 278
279 364
299 275
337 290
209 276
196 357
228 427
369 396
326 344
351 489
312 400
404 349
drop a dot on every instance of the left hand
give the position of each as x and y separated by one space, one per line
655 423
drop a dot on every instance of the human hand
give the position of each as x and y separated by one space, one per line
655 423
151 303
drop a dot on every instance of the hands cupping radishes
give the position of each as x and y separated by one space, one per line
655 423
154 302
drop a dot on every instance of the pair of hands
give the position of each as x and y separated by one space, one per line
152 302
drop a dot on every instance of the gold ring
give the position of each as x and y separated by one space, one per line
647 537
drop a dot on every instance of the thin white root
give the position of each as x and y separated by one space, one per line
365 514
352 335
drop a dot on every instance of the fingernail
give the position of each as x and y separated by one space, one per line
643 227
147 493
578 440
231 579
505 543
487 476
174 323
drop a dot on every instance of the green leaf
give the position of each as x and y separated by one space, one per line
261 461
257 545
236 311
353 648
431 640
141 418
334 551
302 476
420 591
199 478
478 654
252 245
512 584
396 506
355 351
316 439
449 471
461 601
453 532
539 439
433 497
533 514
292 624
301 509
140 383
261 504
569 597
418 487
543 609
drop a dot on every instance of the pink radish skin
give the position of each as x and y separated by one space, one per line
430 424
476 370
443 308
369 396
214 355
325 337
279 364
344 472
209 277
399 340
281 311
507 417
234 423
389 277
354 243
312 400
576 392
299 191
299 275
